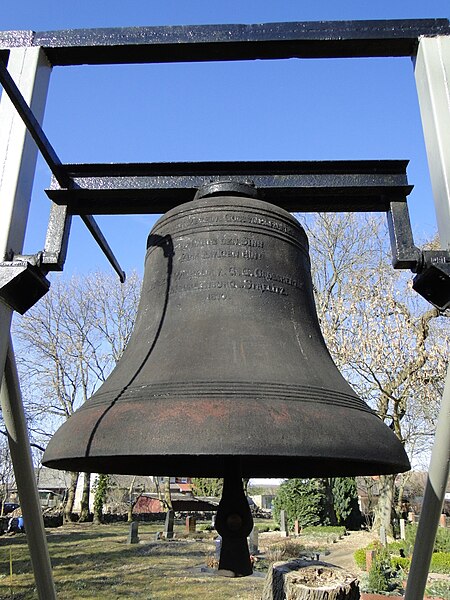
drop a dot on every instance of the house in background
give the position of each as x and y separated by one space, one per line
151 503
264 501
263 494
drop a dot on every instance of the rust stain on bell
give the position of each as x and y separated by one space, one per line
226 361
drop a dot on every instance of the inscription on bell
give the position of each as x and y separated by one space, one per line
220 252
214 241
231 218
220 279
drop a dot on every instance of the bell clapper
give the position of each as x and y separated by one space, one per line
234 523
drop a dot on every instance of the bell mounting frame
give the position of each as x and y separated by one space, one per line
426 41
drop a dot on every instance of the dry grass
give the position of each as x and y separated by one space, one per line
95 563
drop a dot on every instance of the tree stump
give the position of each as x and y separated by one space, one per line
301 579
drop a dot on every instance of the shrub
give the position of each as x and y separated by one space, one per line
401 562
380 573
440 562
410 534
382 577
360 554
360 558
284 550
302 499
438 589
345 502
442 543
397 547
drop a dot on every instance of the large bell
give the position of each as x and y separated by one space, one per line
227 373
226 364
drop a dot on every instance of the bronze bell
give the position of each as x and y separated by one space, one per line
227 369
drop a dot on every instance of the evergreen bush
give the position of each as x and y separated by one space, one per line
345 502
302 499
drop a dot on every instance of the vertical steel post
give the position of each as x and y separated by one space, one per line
18 155
16 426
432 72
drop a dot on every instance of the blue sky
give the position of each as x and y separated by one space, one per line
267 110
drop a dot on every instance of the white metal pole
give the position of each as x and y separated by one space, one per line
14 418
18 154
432 72
432 502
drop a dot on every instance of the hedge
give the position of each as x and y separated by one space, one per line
440 563
324 530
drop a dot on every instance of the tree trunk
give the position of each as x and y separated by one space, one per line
309 580
84 510
384 508
68 507
167 494
130 500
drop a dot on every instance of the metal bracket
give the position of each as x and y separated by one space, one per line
24 276
22 283
432 266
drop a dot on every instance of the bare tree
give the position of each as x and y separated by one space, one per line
68 344
389 343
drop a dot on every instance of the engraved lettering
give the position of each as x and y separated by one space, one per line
252 255
195 243
222 253
236 241
264 287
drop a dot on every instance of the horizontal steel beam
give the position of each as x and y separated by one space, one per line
187 43
295 185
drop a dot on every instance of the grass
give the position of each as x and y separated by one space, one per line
95 563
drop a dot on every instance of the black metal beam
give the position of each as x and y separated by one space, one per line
187 43
294 185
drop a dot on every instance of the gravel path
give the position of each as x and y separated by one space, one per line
341 553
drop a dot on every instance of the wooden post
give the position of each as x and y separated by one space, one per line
190 524
309 580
